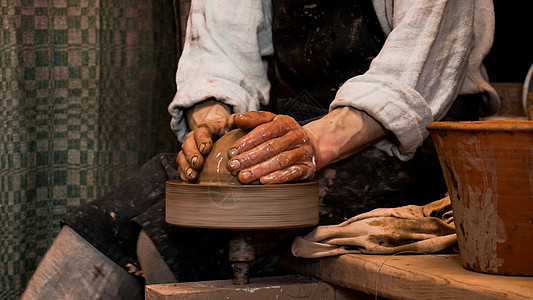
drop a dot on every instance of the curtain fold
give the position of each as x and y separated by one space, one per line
84 90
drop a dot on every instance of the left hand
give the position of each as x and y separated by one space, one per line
277 150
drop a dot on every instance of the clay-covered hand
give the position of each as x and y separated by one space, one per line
277 150
198 144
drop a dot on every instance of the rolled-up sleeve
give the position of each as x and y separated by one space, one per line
433 53
222 57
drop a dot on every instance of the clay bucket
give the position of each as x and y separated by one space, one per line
488 168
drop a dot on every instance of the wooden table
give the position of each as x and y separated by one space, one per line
416 276
359 276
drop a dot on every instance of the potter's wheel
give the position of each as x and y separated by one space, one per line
219 201
248 207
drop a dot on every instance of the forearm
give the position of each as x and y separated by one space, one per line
418 73
222 55
222 58
341 133
209 109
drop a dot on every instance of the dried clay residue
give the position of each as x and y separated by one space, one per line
480 229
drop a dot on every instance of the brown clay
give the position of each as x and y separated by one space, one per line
215 170
488 167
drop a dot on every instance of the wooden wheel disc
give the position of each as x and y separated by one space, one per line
242 207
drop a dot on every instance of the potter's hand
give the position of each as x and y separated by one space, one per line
277 150
197 144
209 121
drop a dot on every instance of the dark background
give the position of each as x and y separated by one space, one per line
512 51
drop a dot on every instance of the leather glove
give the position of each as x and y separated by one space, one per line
277 150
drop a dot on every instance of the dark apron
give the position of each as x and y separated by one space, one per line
318 45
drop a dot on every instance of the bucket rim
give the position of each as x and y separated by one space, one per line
488 125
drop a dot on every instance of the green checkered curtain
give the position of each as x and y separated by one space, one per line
84 88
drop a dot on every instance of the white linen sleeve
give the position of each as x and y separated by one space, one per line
420 70
222 57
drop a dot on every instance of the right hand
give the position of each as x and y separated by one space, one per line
198 144
277 150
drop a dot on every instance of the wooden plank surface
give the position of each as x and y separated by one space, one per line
412 277
288 287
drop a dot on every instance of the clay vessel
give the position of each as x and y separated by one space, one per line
215 170
488 168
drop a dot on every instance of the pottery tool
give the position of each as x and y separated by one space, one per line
219 201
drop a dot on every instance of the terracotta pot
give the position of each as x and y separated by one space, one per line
488 167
